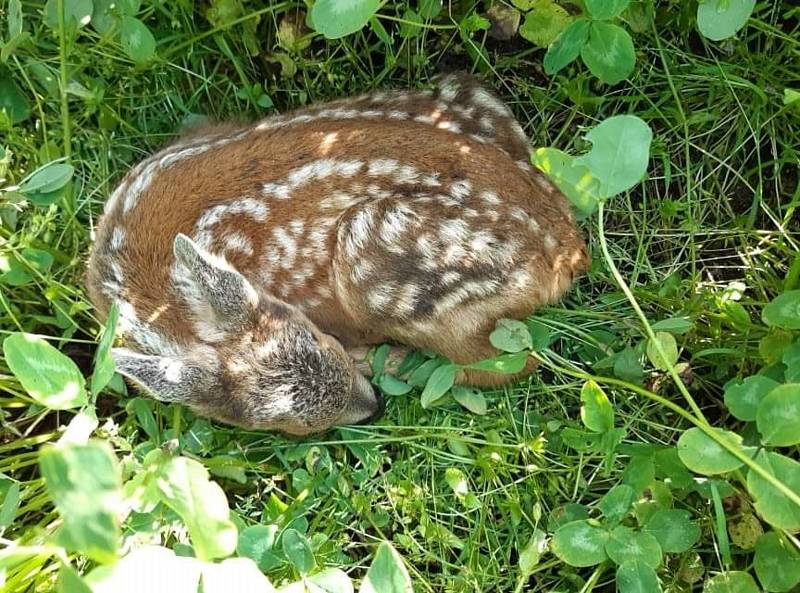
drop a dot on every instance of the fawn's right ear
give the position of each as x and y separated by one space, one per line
167 379
230 296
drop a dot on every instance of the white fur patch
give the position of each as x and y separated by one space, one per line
117 239
490 197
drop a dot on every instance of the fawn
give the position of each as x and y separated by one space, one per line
245 260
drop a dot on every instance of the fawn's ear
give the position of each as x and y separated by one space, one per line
230 296
168 379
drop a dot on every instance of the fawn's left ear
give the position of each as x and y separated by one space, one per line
230 296
168 379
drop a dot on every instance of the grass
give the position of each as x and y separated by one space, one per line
713 223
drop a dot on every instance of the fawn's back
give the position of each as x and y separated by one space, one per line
411 216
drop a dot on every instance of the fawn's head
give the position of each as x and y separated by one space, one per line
260 364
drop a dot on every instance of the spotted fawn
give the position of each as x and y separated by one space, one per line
246 261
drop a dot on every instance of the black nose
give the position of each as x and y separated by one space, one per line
380 407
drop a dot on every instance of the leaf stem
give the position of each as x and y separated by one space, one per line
701 424
66 123
643 318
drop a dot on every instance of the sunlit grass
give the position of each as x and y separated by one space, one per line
718 208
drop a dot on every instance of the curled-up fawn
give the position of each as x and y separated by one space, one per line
245 260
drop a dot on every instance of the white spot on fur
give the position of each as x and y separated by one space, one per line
238 242
451 277
117 239
287 244
278 190
406 299
359 230
482 98
361 270
453 231
450 126
460 189
382 167
395 222
490 197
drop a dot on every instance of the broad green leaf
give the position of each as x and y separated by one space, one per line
744 530
674 325
505 363
16 273
471 398
742 397
391 385
297 550
634 576
544 23
330 580
256 543
597 413
609 52
616 503
773 506
49 377
69 581
12 100
429 9
511 335
240 574
423 372
77 13
104 17
703 455
137 41
777 563
626 545
9 490
457 481
411 26
669 347
439 383
673 529
81 427
620 153
639 473
334 18
530 555
575 180
606 9
84 483
628 366
790 96
184 486
778 416
580 543
103 362
150 568
735 581
540 334
379 30
387 573
791 358
14 17
567 47
48 178
720 19
783 311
